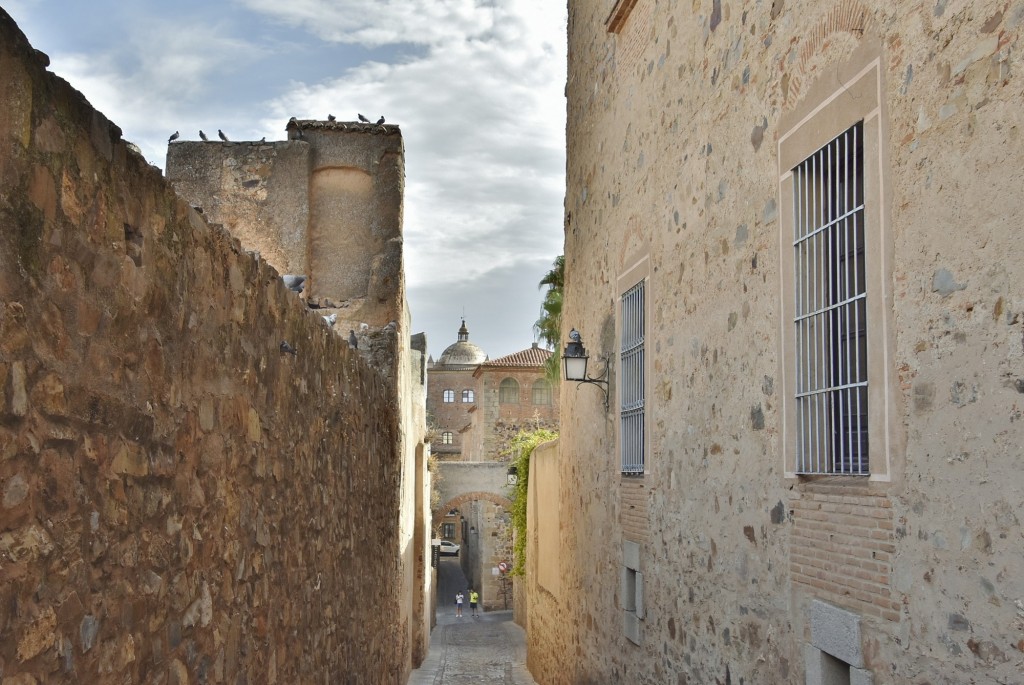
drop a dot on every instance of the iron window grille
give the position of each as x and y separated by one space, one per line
831 309
631 362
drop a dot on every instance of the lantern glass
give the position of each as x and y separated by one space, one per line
575 368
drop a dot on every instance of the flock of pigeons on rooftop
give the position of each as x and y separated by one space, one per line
330 117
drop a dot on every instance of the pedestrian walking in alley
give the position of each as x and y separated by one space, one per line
458 604
473 599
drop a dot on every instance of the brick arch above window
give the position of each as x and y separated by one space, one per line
541 392
508 391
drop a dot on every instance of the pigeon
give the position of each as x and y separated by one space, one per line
331 117
263 139
363 119
331 319
288 349
574 335
202 135
352 341
222 136
380 121
294 283
174 137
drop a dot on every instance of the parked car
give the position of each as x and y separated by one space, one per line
449 549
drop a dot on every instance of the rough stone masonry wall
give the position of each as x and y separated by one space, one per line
180 501
673 151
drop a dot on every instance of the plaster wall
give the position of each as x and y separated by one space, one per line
674 126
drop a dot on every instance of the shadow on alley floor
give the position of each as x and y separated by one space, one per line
489 648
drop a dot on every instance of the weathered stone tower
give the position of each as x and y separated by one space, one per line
326 203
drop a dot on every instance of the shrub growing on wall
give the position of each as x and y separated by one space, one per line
520 449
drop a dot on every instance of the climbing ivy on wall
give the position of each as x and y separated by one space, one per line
520 449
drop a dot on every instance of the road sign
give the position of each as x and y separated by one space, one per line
503 567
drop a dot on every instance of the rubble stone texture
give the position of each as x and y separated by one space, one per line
681 119
180 501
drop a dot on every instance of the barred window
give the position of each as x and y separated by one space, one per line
541 392
631 361
831 309
449 396
508 391
467 395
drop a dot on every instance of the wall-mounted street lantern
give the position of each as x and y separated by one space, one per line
575 358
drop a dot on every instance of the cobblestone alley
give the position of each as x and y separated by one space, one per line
488 649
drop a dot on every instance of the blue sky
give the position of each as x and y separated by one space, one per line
476 85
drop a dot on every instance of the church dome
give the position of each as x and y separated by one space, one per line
463 352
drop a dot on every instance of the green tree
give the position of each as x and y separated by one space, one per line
549 326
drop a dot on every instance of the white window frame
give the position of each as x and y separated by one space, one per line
448 396
467 396
632 389
848 94
447 438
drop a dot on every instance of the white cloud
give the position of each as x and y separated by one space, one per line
476 85
483 119
380 22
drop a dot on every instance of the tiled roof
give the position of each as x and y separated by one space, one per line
531 356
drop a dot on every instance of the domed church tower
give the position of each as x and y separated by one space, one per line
452 395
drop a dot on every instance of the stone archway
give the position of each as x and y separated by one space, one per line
460 500
484 531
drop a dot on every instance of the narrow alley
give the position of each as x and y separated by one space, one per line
489 648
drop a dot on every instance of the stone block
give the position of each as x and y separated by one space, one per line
836 632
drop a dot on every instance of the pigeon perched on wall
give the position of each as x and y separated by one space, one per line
174 137
202 135
294 282
222 136
331 319
363 119
574 335
353 342
331 117
288 349
380 121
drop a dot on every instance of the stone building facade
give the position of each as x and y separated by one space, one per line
476 406
792 227
182 498
451 398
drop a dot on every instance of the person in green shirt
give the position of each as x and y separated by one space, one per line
473 599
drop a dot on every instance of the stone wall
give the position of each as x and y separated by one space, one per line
682 122
182 501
